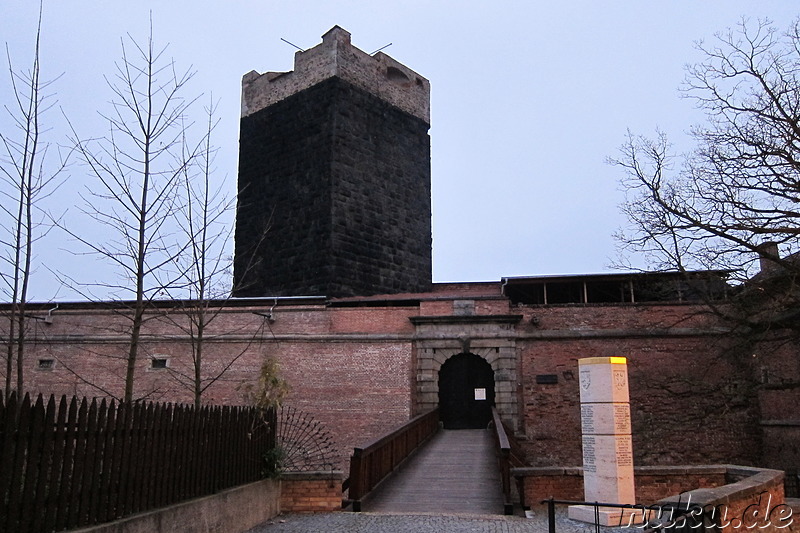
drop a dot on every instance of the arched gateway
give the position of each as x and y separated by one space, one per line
466 392
488 341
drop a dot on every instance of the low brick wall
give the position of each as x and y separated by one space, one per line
230 511
653 483
535 484
753 499
734 498
311 492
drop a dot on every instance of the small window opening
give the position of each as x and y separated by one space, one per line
47 364
396 75
158 362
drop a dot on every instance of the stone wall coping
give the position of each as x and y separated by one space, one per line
335 475
731 471
759 480
564 334
525 471
744 481
466 319
682 469
230 511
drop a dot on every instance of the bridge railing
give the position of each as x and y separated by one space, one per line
370 464
509 455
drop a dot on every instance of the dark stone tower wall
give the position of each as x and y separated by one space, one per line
334 178
381 190
283 218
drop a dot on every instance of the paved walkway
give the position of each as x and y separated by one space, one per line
450 485
456 472
348 522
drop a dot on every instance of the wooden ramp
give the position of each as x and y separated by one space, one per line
456 472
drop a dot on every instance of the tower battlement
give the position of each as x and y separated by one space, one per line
334 177
378 74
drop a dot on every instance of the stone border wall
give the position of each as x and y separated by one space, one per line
240 508
230 511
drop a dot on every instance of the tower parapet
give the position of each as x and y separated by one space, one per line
377 74
334 177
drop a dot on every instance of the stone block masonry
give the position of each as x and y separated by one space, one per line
334 177
378 74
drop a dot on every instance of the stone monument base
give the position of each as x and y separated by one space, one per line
606 516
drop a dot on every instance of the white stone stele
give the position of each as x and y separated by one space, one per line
607 451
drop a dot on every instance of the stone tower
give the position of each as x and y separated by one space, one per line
334 177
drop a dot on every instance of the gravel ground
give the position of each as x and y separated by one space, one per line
422 523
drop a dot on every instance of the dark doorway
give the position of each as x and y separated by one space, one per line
466 392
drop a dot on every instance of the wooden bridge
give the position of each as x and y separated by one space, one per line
421 468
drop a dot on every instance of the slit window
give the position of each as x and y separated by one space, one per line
46 364
158 363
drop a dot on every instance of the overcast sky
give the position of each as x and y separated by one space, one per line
528 99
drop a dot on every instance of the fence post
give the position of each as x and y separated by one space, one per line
551 515
356 479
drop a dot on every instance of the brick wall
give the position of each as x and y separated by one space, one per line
692 399
537 484
356 380
311 492
734 498
653 483
355 369
752 499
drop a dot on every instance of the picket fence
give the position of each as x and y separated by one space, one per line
78 462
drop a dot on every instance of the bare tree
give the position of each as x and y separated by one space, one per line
27 180
204 265
138 168
205 268
732 202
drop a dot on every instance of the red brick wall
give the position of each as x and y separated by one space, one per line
568 485
652 483
539 484
655 485
751 500
356 379
693 399
311 492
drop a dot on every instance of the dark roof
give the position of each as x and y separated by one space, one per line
617 287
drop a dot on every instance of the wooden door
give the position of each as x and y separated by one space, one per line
466 392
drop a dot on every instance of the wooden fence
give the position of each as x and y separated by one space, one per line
372 463
509 455
75 463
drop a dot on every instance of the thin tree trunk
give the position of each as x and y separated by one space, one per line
198 383
10 351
